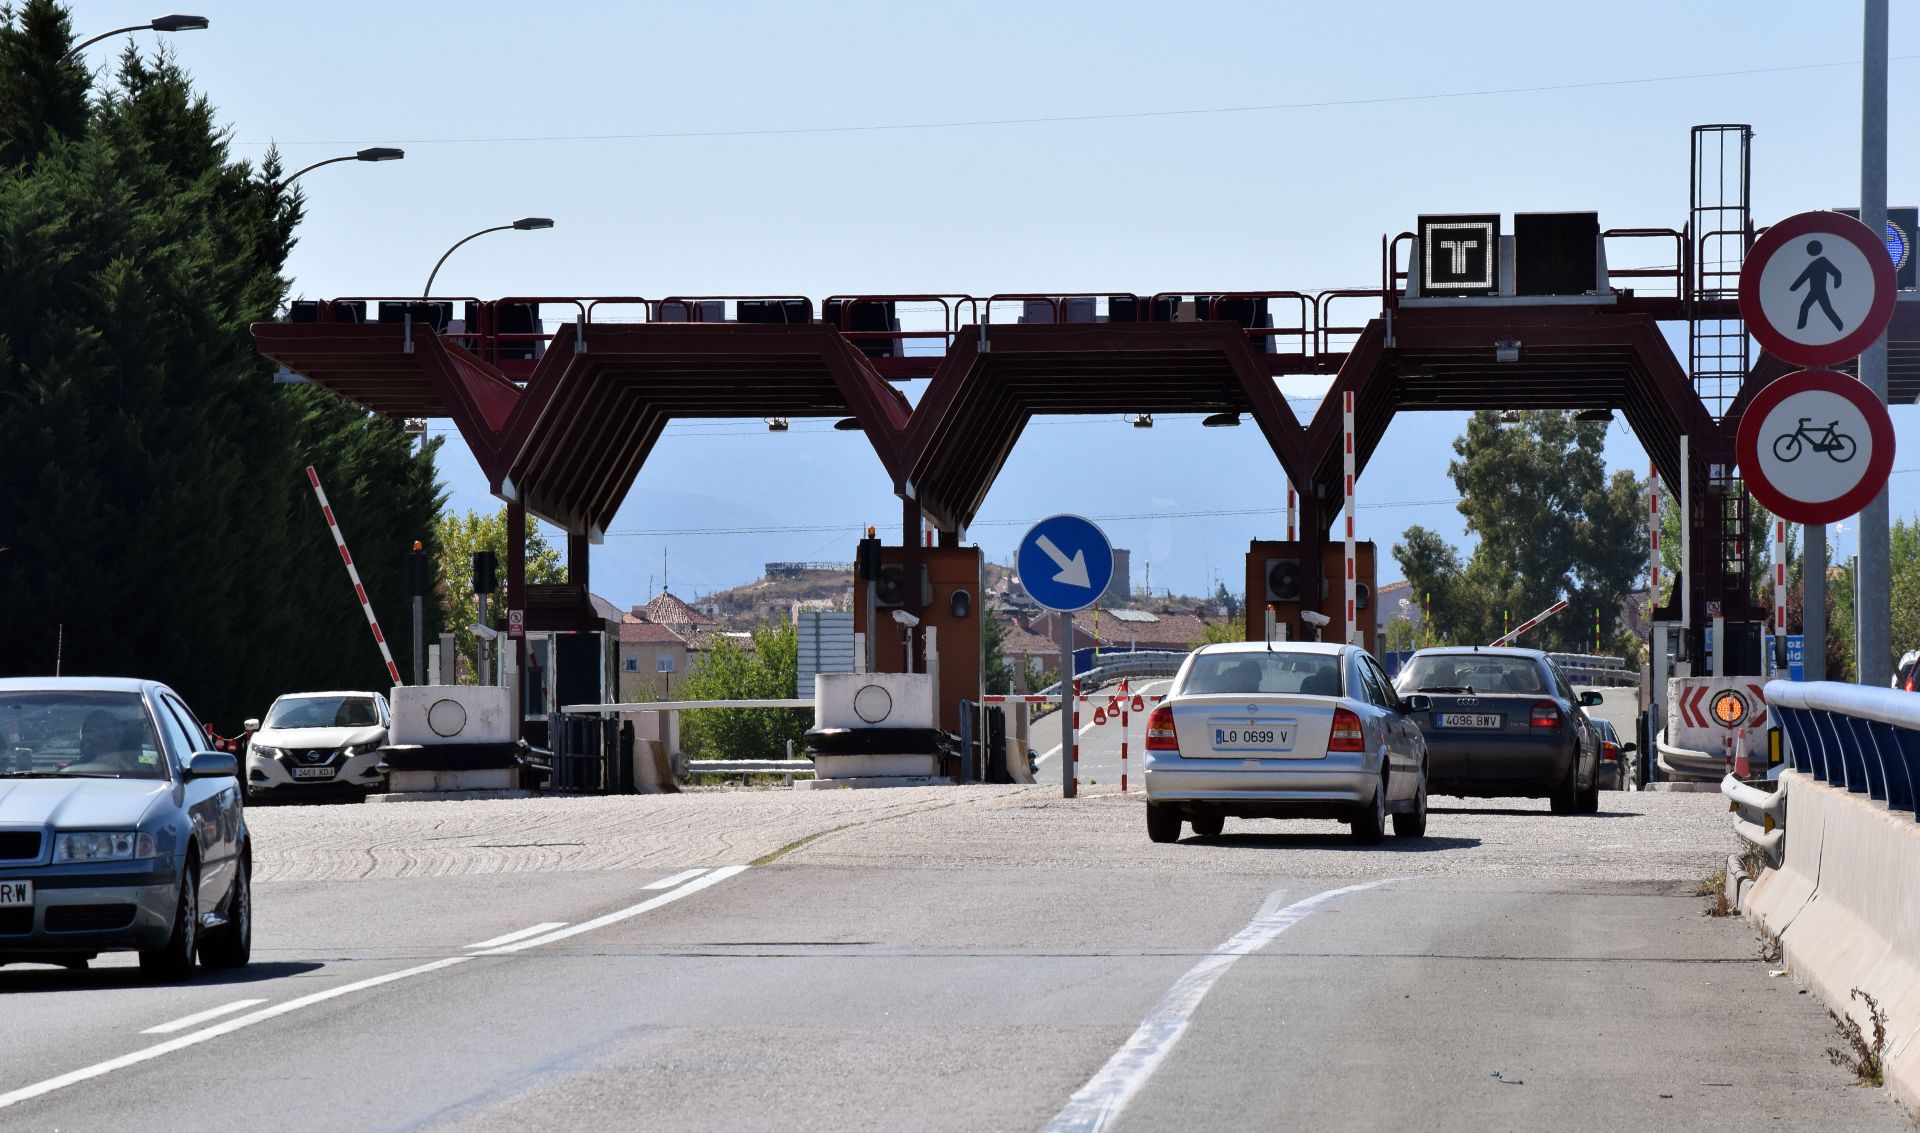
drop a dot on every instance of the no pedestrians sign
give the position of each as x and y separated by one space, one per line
1817 289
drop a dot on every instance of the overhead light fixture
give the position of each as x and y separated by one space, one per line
1143 420
1594 415
848 424
532 223
1220 420
776 424
1506 350
379 153
1509 416
414 426
179 23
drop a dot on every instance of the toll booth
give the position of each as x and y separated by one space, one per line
1275 580
572 656
948 601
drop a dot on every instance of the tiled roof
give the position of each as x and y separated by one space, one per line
633 631
665 609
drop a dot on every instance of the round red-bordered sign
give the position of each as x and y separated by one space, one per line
1817 289
1815 446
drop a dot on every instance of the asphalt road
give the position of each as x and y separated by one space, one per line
966 959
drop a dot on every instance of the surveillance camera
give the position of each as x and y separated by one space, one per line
1314 618
905 618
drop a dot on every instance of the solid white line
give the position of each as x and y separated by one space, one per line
195 1038
202 1016
520 934
666 898
670 882
1098 1102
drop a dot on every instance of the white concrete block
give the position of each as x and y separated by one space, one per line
870 700
443 714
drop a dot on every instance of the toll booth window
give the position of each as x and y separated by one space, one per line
538 675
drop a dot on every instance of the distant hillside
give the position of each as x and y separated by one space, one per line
771 597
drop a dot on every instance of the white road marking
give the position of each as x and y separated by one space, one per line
649 905
202 1016
521 934
1098 1102
670 882
195 1038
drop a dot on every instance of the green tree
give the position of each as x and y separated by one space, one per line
769 669
156 513
1218 632
457 537
993 635
1550 524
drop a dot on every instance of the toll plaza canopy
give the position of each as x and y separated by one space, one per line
562 400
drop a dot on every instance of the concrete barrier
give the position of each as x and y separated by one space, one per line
1846 909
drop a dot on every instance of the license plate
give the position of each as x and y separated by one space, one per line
313 772
1253 737
1469 720
14 893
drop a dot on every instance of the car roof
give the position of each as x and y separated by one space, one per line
1479 651
79 684
1275 647
317 695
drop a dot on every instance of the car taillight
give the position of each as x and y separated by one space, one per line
1347 734
1609 750
1546 714
1160 733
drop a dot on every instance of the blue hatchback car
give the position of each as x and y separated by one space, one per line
119 831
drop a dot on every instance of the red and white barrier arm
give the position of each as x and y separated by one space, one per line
1353 621
353 574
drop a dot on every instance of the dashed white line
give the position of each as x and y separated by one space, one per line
670 882
1098 1102
202 1016
207 1034
520 934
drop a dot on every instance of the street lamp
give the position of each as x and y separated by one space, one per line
162 23
375 153
524 224
1223 420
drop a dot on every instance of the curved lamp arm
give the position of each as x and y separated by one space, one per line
427 292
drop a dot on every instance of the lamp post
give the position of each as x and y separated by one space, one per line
524 224
375 153
161 23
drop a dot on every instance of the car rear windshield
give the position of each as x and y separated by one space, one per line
1235 674
77 733
323 712
1471 672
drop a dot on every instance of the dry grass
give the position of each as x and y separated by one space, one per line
1865 1058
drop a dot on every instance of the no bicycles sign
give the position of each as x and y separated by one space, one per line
1815 446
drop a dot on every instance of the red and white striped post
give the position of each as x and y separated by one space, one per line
1076 731
1653 531
1292 512
1353 624
353 575
1125 697
1779 590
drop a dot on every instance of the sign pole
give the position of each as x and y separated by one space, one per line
1780 596
1875 650
1069 782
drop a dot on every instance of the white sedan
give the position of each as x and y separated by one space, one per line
1285 730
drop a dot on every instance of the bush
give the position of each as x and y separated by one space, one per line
727 670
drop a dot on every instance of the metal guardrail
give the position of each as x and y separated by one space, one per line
1864 740
1759 817
1141 664
694 768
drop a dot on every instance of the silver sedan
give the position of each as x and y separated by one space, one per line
1285 730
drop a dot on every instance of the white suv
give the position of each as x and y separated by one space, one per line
318 743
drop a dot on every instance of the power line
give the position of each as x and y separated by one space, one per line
970 123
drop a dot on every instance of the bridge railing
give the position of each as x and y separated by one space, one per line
1865 740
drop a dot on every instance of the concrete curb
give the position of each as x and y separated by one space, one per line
1846 908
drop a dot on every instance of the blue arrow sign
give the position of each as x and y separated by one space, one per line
1065 563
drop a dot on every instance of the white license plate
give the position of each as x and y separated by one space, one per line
1253 737
1469 720
14 893
313 772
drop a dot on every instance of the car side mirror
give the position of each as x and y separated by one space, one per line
1591 700
213 765
1417 702
250 725
1629 748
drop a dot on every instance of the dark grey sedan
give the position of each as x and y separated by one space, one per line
118 831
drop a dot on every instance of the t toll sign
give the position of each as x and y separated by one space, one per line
1815 446
1817 289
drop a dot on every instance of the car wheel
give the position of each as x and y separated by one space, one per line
231 945
1209 825
1587 801
1413 823
1163 823
75 963
1566 797
1370 824
173 961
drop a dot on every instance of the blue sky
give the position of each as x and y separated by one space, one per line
1373 134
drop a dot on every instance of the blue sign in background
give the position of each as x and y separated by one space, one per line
1065 563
